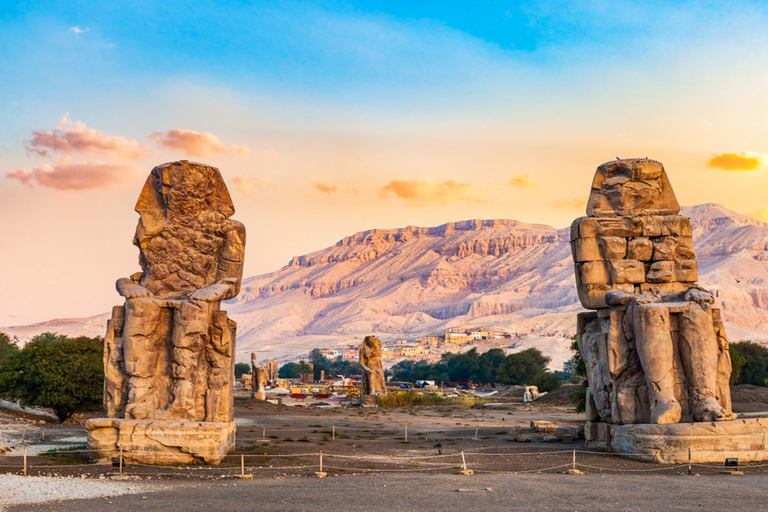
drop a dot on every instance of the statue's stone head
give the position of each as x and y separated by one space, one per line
636 186
177 192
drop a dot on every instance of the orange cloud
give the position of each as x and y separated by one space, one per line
248 184
78 138
571 204
328 188
196 143
761 215
523 181
426 192
746 161
69 175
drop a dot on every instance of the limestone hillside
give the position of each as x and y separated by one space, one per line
506 274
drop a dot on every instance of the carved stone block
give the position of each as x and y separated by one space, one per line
612 247
661 272
593 272
626 271
686 271
585 249
640 249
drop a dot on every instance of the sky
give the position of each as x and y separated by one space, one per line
327 118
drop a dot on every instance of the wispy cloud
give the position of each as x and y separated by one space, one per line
248 184
570 204
70 175
746 161
196 143
427 192
328 188
523 181
78 30
70 137
761 215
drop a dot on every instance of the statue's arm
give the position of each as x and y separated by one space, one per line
130 288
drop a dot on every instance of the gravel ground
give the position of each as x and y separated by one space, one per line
395 493
37 490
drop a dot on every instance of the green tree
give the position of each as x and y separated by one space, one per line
522 367
288 371
241 369
8 347
750 362
65 374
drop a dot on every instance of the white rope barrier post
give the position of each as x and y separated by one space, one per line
574 459
121 461
242 475
406 433
321 474
689 461
465 471
42 434
476 433
264 433
333 433
25 461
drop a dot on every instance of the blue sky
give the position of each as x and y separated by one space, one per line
323 115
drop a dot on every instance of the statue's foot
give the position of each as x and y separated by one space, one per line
709 410
666 411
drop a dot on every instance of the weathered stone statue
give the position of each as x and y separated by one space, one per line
272 370
260 376
374 382
169 349
655 348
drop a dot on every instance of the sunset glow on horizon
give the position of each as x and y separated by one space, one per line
331 117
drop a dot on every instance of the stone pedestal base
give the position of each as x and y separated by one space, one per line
160 442
708 442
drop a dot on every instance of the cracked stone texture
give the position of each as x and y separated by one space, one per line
374 382
655 349
169 350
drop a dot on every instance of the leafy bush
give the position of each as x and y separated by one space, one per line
65 374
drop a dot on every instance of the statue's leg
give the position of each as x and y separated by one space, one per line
697 336
190 335
654 347
140 354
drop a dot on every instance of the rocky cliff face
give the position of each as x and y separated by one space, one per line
518 276
515 276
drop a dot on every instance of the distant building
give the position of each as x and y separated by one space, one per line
351 355
388 353
478 334
412 351
332 354
457 337
430 341
400 343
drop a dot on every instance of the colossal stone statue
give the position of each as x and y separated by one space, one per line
656 350
259 376
374 382
169 350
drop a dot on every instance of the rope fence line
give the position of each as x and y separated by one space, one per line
417 462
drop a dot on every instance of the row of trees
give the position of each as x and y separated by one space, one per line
65 374
528 367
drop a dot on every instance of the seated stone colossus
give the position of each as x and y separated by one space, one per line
169 351
655 347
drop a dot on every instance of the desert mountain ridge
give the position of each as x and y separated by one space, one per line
502 274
